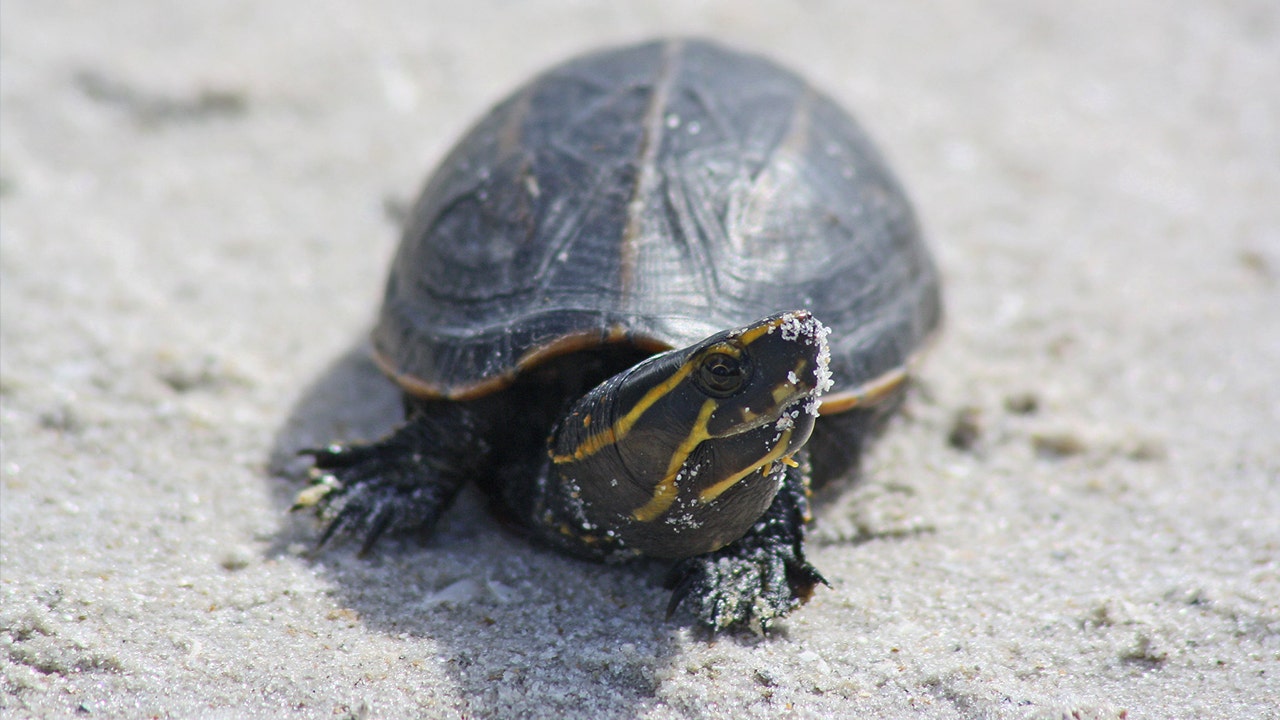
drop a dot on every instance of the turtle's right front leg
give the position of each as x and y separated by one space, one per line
401 483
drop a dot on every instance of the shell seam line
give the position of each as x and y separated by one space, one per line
646 178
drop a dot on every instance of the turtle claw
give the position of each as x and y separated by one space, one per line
681 581
375 526
335 527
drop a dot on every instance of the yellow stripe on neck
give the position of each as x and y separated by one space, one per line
715 491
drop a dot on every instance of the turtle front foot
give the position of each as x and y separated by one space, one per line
401 483
742 587
758 578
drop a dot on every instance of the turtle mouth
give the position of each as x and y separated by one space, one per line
798 411
791 426
792 407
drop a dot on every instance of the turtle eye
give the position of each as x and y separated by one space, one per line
721 374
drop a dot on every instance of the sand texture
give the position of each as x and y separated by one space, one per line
1076 516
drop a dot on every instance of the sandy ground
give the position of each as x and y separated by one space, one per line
1077 516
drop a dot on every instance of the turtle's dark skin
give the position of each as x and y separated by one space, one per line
622 303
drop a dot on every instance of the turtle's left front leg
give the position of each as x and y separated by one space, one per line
403 482
761 576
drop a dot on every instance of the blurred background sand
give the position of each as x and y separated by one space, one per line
1076 513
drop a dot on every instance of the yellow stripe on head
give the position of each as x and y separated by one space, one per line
754 333
610 435
666 491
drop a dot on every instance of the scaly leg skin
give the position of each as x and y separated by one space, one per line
758 578
403 482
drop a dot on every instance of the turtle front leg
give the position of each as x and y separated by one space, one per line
758 578
401 483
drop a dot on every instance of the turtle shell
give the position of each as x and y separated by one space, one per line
655 195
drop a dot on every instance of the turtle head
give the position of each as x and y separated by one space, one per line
682 453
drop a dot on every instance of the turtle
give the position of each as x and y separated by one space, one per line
648 303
